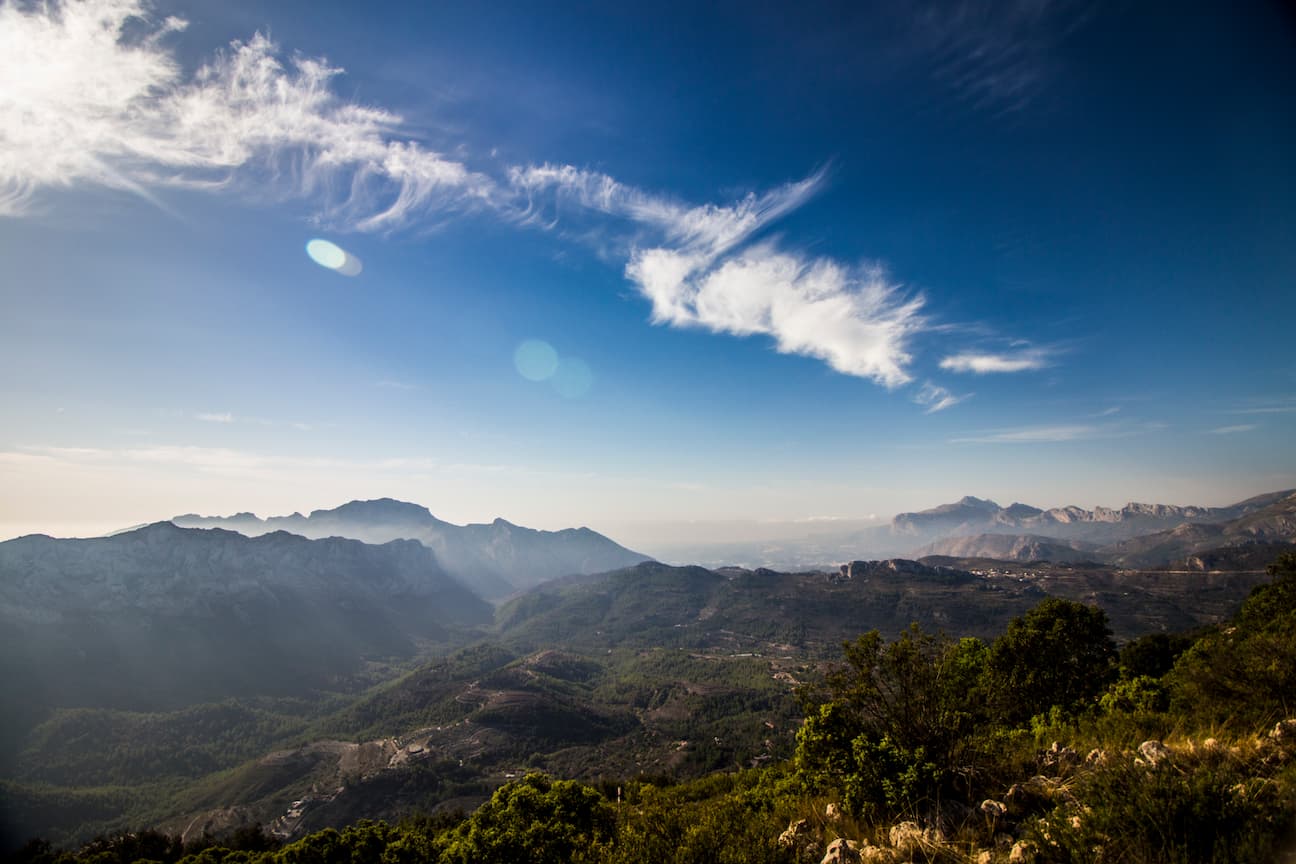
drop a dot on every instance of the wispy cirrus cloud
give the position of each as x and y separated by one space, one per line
997 57
698 267
90 94
1059 433
1028 360
937 398
1232 430
1031 435
695 265
1266 405
229 418
706 229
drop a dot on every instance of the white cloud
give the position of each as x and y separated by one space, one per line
212 417
1280 405
981 364
90 94
937 398
1061 432
694 269
704 230
1229 430
83 101
853 319
1032 435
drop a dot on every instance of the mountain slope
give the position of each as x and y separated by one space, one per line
164 616
745 610
1272 523
494 559
1011 547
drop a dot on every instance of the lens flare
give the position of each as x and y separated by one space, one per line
333 257
573 378
536 360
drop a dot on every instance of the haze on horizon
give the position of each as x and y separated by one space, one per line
732 273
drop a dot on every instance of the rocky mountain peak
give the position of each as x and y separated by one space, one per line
377 510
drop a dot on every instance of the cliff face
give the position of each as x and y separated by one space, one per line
1012 547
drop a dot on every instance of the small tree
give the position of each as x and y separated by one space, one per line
536 819
1059 654
895 722
1246 671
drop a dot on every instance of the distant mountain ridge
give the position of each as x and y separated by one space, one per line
1139 535
972 515
495 559
1273 523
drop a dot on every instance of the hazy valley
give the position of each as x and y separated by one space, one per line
301 672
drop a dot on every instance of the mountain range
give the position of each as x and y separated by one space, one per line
971 515
1139 535
251 663
494 559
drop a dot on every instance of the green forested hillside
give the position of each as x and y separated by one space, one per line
1045 743
669 672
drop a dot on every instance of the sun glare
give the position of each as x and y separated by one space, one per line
333 257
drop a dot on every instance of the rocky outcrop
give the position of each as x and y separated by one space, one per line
842 851
1011 547
1154 752
904 568
1284 732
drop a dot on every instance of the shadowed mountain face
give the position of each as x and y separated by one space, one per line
493 559
654 605
163 616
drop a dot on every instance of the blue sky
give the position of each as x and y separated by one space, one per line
789 265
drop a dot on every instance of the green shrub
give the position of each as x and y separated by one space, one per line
538 820
890 779
1244 674
1217 810
1142 695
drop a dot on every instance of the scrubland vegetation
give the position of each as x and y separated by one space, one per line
1046 743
